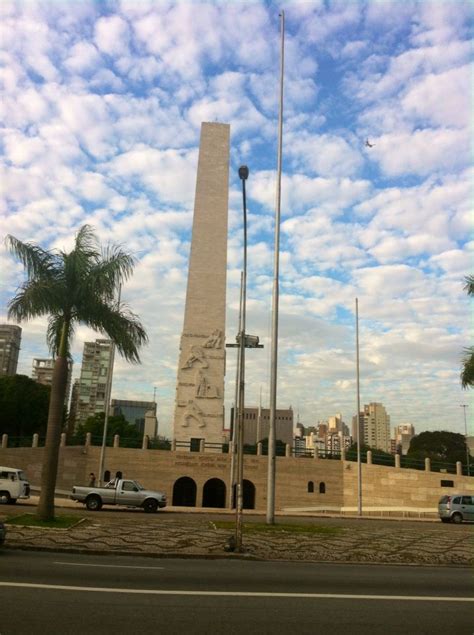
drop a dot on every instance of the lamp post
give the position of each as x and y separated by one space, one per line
108 392
464 406
243 175
358 436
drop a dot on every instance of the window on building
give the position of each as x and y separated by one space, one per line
310 487
445 483
322 488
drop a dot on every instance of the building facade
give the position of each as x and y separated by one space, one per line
403 434
376 426
42 372
96 375
137 413
257 425
10 340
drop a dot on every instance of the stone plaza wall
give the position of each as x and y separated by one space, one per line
299 481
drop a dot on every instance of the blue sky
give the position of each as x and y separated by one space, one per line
102 108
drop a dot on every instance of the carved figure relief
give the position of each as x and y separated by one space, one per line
204 389
196 354
214 340
193 412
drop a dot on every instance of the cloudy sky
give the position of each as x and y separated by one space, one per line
102 106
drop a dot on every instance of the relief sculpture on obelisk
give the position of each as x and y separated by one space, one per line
201 363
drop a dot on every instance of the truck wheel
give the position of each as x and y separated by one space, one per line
93 503
5 496
457 518
150 505
12 501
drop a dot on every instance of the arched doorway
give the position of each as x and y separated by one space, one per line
249 495
213 494
184 492
248 501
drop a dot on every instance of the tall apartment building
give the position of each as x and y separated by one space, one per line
96 371
42 372
403 434
257 425
375 424
10 340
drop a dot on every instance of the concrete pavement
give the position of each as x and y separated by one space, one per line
175 532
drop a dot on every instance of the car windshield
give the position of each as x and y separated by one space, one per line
444 499
22 476
138 485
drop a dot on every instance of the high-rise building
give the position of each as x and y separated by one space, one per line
403 434
42 373
96 371
376 426
10 340
138 413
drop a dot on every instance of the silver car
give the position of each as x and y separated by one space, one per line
456 508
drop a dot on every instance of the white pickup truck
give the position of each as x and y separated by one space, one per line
13 485
121 492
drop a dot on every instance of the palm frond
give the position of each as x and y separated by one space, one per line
469 285
35 298
37 261
467 372
121 325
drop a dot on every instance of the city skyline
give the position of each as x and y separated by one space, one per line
103 106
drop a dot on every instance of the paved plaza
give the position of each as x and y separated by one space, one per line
183 533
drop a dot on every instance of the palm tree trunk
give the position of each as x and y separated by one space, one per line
49 471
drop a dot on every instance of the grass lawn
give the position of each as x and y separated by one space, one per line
281 528
31 520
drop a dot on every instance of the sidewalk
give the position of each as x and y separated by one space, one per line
172 534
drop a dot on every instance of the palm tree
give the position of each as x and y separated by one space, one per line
72 288
467 371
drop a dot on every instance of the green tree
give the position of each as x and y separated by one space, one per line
440 445
467 370
129 434
378 456
23 406
78 287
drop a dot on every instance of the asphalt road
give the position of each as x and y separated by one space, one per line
49 593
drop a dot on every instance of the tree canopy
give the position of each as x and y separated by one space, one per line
71 288
23 406
129 434
467 369
439 445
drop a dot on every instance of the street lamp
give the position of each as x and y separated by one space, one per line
464 406
243 175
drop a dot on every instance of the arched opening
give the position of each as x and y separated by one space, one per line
248 501
213 494
184 492
310 487
322 488
249 495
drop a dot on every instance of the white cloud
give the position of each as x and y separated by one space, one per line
112 35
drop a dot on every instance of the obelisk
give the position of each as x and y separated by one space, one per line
199 407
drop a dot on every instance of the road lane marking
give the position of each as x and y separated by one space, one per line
111 566
250 594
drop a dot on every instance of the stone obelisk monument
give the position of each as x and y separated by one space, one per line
199 408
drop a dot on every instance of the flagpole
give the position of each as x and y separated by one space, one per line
275 301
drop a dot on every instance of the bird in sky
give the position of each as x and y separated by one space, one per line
368 144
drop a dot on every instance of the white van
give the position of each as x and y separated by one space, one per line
13 485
